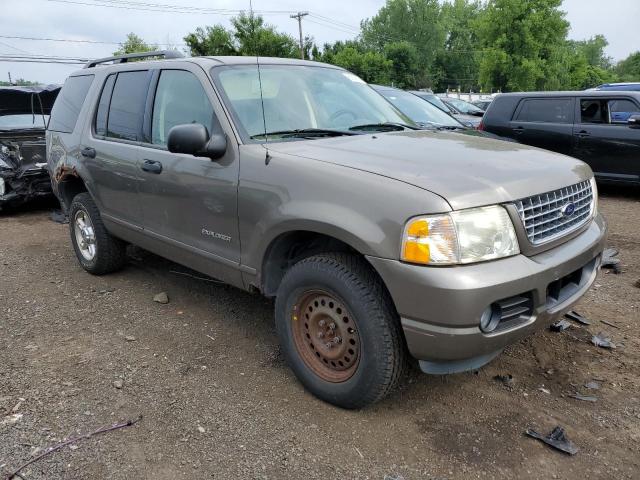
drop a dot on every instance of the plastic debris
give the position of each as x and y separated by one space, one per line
556 439
576 317
584 398
592 386
609 261
600 340
559 326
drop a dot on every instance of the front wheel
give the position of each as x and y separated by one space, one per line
339 330
98 252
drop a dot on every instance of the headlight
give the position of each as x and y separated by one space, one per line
2 187
463 236
594 192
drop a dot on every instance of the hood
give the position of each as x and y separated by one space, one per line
17 100
468 171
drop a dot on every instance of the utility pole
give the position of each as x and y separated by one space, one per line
298 17
10 82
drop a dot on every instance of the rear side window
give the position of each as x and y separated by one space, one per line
103 105
620 110
126 111
66 110
180 98
546 110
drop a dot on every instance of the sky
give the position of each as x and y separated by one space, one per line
328 21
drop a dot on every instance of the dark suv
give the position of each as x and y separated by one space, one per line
599 127
297 180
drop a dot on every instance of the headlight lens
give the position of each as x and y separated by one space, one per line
463 236
594 192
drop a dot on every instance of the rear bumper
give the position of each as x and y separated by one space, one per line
440 307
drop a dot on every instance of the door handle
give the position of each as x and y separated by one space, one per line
583 134
518 130
88 152
151 166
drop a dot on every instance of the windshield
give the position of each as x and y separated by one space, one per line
23 120
433 100
421 112
464 107
297 97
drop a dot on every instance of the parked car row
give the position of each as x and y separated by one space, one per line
378 238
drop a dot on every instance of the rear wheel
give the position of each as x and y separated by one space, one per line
339 331
97 251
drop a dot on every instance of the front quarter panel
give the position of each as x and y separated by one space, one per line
290 193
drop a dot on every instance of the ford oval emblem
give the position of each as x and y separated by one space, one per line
568 209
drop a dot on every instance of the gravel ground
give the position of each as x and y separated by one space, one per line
79 352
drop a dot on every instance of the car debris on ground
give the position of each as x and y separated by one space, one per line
556 439
584 398
560 326
576 317
600 340
609 261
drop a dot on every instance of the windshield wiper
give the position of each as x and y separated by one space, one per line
385 127
304 133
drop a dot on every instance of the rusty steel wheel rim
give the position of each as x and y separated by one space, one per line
326 336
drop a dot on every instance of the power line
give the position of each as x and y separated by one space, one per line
149 7
71 40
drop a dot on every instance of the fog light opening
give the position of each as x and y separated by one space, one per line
490 318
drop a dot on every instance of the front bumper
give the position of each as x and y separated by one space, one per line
440 307
24 186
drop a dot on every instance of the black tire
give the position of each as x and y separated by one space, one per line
110 254
382 350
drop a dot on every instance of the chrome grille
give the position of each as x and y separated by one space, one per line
545 217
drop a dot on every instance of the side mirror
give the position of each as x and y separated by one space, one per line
193 139
634 121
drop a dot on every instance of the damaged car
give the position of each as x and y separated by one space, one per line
24 114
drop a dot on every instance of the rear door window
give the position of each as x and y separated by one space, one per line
66 110
126 111
180 99
621 109
546 110
103 105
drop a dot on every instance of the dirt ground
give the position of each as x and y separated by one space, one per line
79 352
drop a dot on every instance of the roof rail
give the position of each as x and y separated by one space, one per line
125 58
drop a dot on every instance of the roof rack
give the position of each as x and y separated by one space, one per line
125 58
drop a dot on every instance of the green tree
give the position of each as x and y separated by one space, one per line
254 37
134 44
415 21
215 40
458 61
404 61
522 43
629 68
372 67
249 35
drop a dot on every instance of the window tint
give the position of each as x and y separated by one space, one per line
180 98
620 110
103 105
64 114
546 110
127 105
